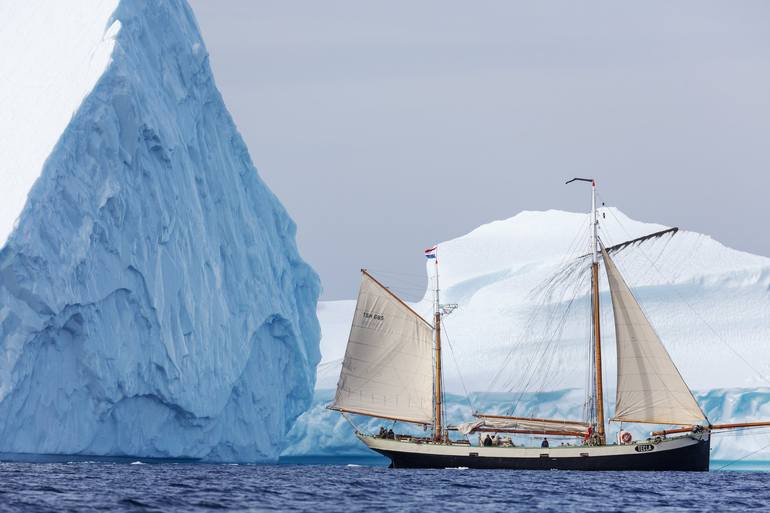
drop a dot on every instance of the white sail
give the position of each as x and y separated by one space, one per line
388 366
650 388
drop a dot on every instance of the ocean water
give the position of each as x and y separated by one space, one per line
134 486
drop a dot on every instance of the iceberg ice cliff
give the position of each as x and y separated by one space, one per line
152 299
519 337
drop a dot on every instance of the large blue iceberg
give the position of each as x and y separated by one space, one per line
152 299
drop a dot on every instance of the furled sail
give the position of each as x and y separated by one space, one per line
534 425
650 388
388 367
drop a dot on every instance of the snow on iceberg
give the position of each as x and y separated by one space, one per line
153 301
53 54
708 302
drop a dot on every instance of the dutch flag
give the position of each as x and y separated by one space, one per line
431 252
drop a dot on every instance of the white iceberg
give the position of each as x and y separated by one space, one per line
519 337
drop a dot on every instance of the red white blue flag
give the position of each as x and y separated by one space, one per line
431 252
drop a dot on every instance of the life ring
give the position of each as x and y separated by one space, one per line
626 437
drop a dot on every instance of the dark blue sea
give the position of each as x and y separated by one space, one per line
123 486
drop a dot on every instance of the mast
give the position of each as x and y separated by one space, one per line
437 424
599 399
597 323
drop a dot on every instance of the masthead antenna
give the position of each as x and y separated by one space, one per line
591 180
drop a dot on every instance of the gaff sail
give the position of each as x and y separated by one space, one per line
387 371
650 388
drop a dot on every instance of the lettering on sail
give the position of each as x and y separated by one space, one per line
374 316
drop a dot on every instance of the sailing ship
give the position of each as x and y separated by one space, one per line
392 370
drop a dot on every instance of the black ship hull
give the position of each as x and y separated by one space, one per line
691 457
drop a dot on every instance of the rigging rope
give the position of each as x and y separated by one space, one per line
589 410
571 250
355 427
743 458
457 366
394 273
404 284
682 298
542 351
541 367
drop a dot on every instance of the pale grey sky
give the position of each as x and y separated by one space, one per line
384 127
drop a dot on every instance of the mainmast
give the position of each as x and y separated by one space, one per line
597 323
599 399
437 424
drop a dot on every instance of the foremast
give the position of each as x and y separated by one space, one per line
438 424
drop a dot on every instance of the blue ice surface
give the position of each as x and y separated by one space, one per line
153 299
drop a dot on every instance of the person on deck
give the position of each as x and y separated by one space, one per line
487 441
545 443
381 433
391 434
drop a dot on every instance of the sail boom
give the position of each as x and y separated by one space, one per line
378 416
739 425
715 427
531 432
656 422
643 238
532 419
622 245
